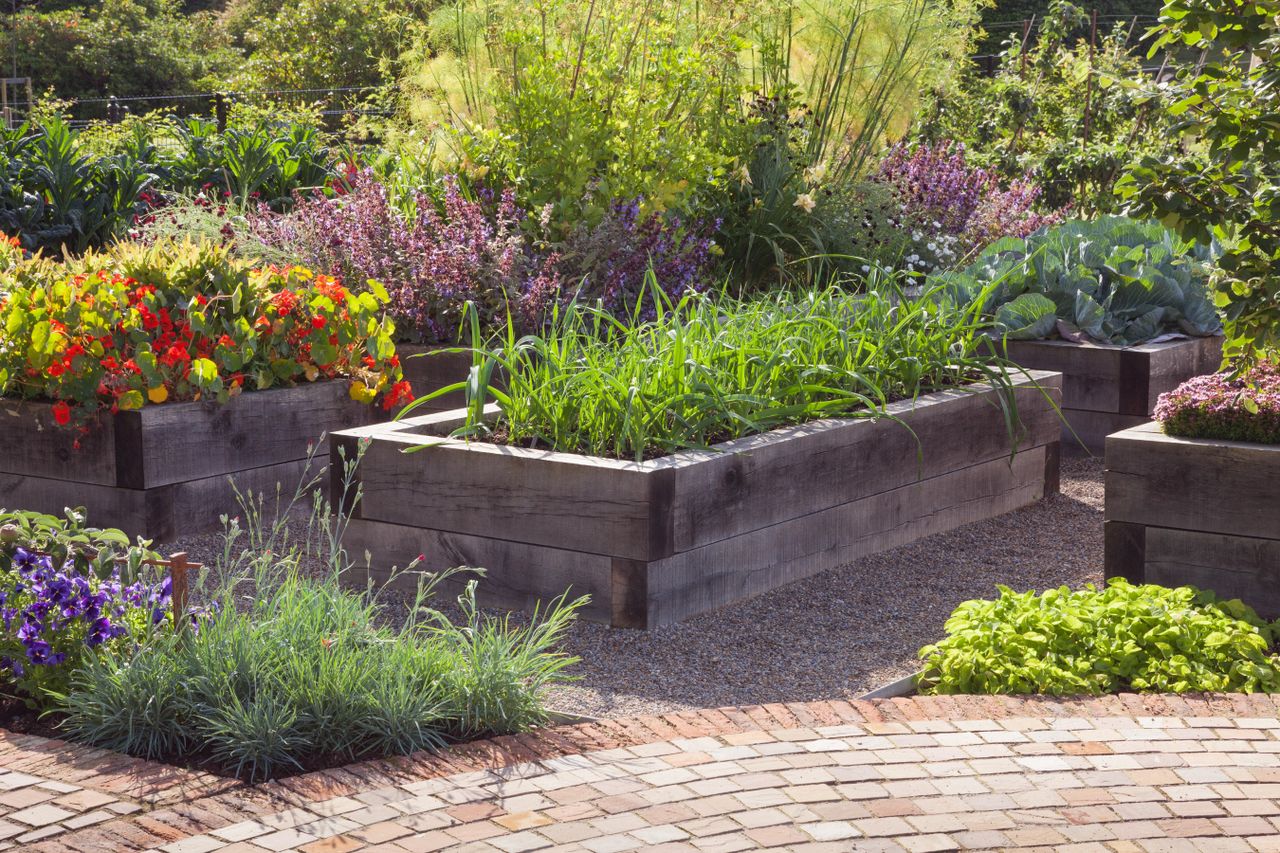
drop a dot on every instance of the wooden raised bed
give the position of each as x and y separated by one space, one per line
1107 389
161 471
428 370
1194 511
658 541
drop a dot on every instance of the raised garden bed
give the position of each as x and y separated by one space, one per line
1106 389
428 370
162 471
1195 511
658 541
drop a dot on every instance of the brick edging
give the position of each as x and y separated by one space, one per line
190 804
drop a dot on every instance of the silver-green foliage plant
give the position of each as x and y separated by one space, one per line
291 669
1092 641
1111 280
708 369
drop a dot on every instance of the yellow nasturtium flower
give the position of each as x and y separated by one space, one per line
362 393
158 394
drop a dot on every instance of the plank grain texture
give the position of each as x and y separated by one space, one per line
1199 512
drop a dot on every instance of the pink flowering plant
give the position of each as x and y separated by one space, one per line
463 246
1226 407
951 209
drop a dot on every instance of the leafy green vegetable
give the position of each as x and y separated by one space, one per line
1123 637
1113 280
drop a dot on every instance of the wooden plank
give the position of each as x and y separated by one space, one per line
1090 372
429 368
1210 486
1231 566
1089 430
190 441
734 569
107 506
1125 549
195 505
34 445
162 514
1175 362
753 484
518 576
577 503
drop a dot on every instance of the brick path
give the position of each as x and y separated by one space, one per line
1119 773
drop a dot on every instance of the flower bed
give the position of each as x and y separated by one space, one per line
718 452
117 368
299 675
1217 406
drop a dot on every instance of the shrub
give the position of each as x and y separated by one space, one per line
1225 407
579 107
1224 187
296 670
432 262
184 322
1066 118
951 209
708 369
1123 637
135 47
1112 280
472 247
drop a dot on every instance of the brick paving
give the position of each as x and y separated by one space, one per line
1122 773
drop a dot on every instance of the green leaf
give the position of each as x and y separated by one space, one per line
1031 316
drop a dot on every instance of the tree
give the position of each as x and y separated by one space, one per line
1226 188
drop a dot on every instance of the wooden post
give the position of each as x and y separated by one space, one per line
1088 83
220 111
178 573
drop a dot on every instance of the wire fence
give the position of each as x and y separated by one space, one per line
334 104
1024 33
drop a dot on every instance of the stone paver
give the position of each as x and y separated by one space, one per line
922 774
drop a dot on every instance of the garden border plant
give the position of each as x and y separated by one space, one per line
284 669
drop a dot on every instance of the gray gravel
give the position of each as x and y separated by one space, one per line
843 632
837 634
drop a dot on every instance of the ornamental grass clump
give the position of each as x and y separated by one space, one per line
292 669
1092 641
1225 407
706 369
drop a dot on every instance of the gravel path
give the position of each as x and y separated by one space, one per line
846 631
836 634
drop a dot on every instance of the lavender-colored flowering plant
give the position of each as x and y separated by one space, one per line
1225 407
51 616
610 261
952 209
480 247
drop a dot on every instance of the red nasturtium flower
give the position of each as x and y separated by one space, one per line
134 344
